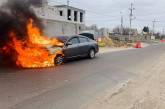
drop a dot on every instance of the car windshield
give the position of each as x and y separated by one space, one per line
62 38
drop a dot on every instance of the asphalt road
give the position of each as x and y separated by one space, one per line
75 84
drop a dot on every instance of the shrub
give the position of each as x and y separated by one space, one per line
101 44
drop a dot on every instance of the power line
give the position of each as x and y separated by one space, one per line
107 15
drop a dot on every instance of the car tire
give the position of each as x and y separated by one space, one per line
58 60
91 54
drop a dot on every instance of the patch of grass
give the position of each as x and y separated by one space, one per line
102 44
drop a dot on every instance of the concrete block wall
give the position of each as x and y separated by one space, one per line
57 28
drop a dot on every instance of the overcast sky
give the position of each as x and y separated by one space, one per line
106 13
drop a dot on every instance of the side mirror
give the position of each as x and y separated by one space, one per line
68 43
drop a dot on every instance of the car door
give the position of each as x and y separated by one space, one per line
84 45
72 48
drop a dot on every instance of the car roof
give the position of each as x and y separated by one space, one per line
65 38
79 36
89 35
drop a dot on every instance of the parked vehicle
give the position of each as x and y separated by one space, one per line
76 46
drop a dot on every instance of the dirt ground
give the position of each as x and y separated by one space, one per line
109 49
146 91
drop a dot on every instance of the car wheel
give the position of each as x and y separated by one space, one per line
59 60
92 53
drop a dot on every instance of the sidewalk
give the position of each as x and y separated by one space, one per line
146 91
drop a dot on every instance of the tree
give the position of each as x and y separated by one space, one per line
116 30
146 29
125 30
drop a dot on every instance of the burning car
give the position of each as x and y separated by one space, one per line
58 54
22 42
78 46
35 51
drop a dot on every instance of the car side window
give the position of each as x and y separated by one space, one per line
83 39
74 41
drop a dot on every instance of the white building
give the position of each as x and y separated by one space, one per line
60 19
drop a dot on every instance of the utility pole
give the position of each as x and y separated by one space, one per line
163 31
153 26
131 18
121 23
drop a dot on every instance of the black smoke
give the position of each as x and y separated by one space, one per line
35 2
14 16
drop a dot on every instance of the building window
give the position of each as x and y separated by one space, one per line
81 17
69 14
79 27
75 16
61 13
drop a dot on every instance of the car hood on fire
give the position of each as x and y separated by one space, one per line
53 49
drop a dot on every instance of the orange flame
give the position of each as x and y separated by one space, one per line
32 52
